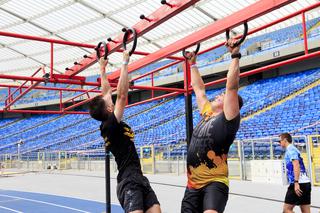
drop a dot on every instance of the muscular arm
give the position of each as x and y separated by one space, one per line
105 86
198 85
122 89
296 169
231 101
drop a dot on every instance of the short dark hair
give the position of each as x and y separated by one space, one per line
240 101
98 109
286 136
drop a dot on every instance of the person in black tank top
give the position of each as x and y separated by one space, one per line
133 189
207 169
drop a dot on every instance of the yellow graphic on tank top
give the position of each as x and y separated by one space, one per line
128 132
106 141
204 164
202 175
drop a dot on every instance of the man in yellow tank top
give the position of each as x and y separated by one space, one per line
208 183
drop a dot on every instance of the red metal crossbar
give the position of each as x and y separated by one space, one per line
76 82
43 111
50 88
257 9
161 15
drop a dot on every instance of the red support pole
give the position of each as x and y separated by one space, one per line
159 16
21 95
305 38
9 95
152 85
60 96
256 10
51 60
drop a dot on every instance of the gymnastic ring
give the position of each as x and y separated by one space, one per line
106 50
184 52
243 37
125 40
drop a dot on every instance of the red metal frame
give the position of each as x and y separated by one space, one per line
10 103
299 12
49 88
51 59
237 18
83 83
42 111
69 43
159 16
20 87
152 85
257 9
305 38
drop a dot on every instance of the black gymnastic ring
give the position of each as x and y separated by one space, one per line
243 37
184 52
125 40
106 50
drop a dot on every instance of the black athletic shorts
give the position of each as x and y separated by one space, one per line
211 197
293 199
135 193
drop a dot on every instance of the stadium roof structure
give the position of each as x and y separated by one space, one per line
91 21
48 36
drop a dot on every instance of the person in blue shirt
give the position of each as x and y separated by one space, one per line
299 190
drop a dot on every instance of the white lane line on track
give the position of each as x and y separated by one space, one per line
38 201
5 201
2 207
